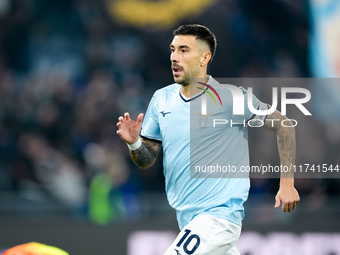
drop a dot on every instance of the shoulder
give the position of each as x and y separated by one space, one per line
169 90
224 89
231 90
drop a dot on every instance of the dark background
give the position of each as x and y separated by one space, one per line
70 68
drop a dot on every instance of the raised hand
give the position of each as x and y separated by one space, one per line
129 130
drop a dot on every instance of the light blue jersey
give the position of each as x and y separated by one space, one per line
168 120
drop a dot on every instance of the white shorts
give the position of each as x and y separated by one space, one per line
206 235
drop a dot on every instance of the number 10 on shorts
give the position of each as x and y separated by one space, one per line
191 242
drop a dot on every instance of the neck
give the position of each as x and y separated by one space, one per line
191 89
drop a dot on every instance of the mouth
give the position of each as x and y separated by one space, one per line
177 70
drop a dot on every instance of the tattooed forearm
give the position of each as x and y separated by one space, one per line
146 155
285 141
287 149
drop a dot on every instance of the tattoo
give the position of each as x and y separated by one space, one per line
285 141
146 155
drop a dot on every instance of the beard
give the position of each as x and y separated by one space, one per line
184 81
186 78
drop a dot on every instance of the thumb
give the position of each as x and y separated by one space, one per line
140 118
277 202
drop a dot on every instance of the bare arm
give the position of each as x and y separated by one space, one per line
145 155
285 140
287 193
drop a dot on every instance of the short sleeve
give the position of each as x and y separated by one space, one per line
150 126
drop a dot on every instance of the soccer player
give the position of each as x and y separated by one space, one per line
209 210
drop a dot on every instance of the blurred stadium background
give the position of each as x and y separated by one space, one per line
70 68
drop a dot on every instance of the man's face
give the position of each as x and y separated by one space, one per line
186 54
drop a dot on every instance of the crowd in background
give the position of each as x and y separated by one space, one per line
68 70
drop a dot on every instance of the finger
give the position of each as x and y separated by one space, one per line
140 118
285 207
294 206
127 116
120 119
119 124
289 207
277 202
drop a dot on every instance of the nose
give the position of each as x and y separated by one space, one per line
174 57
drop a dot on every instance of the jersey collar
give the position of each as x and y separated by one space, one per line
211 81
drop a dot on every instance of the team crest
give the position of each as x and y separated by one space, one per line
203 121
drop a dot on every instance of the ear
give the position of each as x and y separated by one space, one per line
205 58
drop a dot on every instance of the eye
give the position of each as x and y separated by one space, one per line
172 50
183 50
